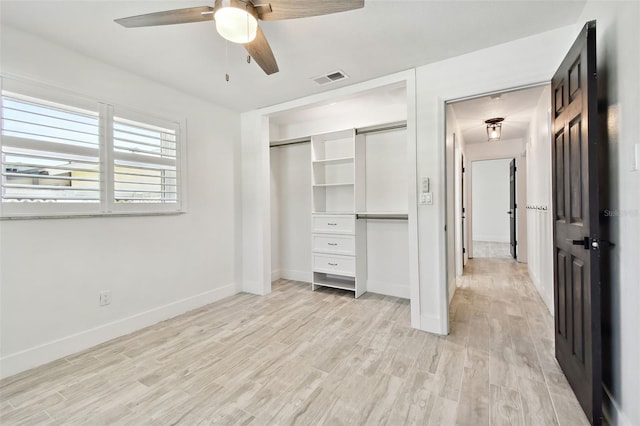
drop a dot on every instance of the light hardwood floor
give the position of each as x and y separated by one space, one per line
302 357
491 249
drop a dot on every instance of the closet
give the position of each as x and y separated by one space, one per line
339 202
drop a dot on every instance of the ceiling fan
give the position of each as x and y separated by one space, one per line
237 20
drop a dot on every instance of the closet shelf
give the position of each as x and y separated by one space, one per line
326 185
334 160
382 215
334 282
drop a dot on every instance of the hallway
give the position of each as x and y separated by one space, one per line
510 372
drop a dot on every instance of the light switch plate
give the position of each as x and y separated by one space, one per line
426 198
425 185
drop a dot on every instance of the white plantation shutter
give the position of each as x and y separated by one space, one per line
74 156
50 151
145 162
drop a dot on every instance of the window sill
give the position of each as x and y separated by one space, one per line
90 215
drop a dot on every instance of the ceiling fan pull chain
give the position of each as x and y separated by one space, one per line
226 59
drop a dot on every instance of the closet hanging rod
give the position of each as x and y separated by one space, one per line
289 142
383 216
396 125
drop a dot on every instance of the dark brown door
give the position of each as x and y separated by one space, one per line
576 230
512 207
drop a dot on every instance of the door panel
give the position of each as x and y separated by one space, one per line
576 226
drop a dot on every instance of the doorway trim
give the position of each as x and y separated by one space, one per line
449 186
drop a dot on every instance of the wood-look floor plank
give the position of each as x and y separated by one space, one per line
568 410
536 404
506 407
473 406
301 357
444 412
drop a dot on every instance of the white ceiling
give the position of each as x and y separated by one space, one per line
516 107
384 37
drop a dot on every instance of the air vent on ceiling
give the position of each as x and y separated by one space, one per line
331 77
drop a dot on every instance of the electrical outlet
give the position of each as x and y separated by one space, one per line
105 298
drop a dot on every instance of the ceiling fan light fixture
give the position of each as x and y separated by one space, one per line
236 24
494 128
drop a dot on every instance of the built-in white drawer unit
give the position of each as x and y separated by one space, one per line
334 224
336 244
334 264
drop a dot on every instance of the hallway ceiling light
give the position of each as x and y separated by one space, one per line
494 128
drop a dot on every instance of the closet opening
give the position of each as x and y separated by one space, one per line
340 189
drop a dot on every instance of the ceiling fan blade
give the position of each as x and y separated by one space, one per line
291 9
260 51
168 17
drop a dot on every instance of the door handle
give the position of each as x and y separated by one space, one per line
589 243
583 242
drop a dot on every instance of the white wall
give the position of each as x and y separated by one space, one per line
291 194
275 162
348 114
539 200
386 181
453 156
618 52
490 200
155 266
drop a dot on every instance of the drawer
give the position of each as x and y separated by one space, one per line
333 264
335 224
338 244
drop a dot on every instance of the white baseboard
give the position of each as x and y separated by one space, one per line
546 298
276 274
294 275
38 355
611 410
432 324
388 289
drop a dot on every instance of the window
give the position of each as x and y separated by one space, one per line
144 163
78 157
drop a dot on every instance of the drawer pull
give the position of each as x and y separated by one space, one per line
332 244
332 264
332 224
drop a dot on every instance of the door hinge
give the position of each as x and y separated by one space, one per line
464 250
